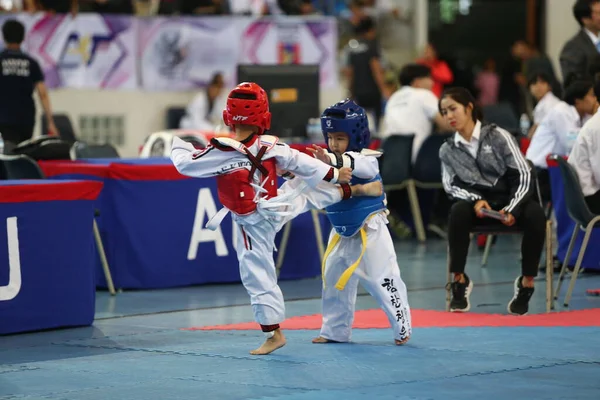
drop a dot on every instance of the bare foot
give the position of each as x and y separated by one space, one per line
271 344
371 189
401 342
321 339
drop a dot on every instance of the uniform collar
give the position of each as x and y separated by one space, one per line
476 134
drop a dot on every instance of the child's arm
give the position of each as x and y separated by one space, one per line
305 167
362 166
190 161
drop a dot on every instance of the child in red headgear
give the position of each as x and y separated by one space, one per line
246 171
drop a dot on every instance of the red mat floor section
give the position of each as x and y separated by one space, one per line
374 319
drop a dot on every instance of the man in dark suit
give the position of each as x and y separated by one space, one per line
578 52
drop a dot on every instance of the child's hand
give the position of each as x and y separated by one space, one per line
345 175
320 153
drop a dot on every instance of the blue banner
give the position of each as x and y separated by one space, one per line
46 264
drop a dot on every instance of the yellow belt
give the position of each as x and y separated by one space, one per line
341 283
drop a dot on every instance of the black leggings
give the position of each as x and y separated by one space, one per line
462 219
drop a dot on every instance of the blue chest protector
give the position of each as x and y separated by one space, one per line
348 216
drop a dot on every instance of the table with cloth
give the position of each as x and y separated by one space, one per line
152 223
565 225
47 252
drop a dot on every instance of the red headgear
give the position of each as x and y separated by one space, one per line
248 104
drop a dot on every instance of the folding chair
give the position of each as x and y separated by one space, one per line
500 229
81 150
427 170
396 172
584 219
174 116
503 115
23 167
63 124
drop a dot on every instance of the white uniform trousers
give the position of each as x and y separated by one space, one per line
255 245
379 274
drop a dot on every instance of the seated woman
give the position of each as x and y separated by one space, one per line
482 167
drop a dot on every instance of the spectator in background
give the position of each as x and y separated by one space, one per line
364 71
594 68
20 76
206 109
533 62
487 83
510 84
349 21
540 88
577 53
557 131
413 109
440 72
585 158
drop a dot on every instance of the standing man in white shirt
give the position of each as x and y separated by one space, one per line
540 88
413 109
585 158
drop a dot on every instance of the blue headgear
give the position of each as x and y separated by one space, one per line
349 118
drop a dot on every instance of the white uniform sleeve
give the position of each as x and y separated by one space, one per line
542 143
195 163
302 165
587 162
430 104
563 127
363 167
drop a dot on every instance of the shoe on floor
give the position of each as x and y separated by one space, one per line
460 295
519 304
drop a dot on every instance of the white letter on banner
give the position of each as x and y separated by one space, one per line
206 205
13 288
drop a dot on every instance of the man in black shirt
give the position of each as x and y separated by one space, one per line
366 74
20 75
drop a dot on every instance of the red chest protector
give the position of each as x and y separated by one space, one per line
234 189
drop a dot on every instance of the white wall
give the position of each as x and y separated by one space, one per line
144 111
560 26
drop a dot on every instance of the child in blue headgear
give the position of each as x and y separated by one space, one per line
360 247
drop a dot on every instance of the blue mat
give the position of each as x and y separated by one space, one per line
438 363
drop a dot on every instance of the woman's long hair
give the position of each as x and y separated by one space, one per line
464 97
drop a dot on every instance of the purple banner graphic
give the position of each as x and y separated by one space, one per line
171 53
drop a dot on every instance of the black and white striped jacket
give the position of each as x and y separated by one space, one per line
498 174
